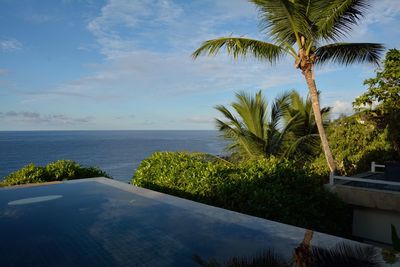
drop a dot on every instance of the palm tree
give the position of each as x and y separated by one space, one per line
287 130
256 133
311 25
303 137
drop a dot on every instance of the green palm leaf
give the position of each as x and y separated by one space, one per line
252 111
242 47
335 18
348 53
287 129
302 138
284 20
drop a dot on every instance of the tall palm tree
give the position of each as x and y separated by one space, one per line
303 137
254 133
311 25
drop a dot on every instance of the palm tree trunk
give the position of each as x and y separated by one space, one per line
312 88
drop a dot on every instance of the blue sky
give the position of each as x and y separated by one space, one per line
126 64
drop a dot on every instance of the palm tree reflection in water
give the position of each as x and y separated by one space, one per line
305 255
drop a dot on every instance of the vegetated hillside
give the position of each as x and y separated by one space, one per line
356 141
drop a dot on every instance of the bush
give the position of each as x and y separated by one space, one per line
54 171
265 188
355 143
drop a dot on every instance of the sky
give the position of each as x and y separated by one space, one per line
127 65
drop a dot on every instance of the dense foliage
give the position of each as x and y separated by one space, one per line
267 188
355 142
381 102
384 89
287 129
373 133
54 171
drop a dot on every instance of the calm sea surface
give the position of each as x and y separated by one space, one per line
116 152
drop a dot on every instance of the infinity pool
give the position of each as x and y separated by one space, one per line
101 222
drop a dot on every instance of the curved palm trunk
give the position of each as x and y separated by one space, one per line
312 88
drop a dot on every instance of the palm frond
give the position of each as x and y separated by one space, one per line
247 133
232 119
302 140
238 46
305 147
285 133
279 108
242 140
335 18
345 255
265 258
284 20
288 128
348 53
252 111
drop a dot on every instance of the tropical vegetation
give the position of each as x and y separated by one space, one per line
308 31
355 142
287 129
55 171
381 103
271 188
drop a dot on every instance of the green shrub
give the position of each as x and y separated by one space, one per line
28 174
265 188
355 143
54 171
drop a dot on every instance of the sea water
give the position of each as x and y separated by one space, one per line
118 153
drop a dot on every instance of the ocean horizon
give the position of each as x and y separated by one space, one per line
117 152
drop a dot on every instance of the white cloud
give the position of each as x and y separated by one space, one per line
383 11
125 26
130 35
132 69
128 15
9 44
146 74
35 117
342 107
382 14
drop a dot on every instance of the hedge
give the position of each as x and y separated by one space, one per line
267 188
54 171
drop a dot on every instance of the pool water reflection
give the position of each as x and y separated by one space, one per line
100 222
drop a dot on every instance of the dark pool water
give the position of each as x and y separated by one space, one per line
93 224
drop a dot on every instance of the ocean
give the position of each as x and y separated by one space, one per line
118 153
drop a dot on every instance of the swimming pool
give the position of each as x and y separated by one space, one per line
101 222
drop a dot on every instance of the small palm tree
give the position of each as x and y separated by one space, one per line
256 133
287 129
303 137
311 25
